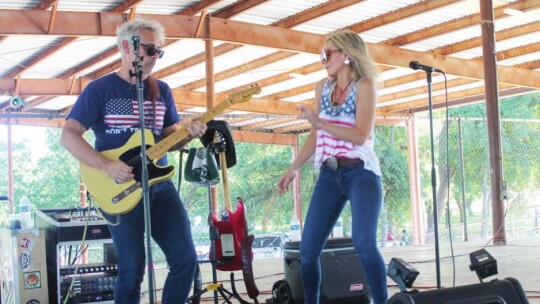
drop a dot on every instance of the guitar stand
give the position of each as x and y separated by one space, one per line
216 287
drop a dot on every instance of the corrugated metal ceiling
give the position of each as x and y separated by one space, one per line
435 30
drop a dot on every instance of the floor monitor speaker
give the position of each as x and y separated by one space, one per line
507 291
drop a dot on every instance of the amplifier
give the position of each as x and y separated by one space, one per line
88 268
92 268
88 287
67 224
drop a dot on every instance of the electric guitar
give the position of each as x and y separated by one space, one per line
232 227
120 198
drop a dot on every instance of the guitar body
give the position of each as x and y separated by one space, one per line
232 231
114 198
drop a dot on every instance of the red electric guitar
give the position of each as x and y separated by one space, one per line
231 226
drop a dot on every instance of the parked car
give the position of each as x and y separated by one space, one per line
203 252
269 246
264 246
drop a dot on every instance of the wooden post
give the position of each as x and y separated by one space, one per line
417 206
493 121
297 192
209 51
10 167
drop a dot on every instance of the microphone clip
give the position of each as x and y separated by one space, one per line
136 41
137 63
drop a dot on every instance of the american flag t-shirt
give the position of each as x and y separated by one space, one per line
123 113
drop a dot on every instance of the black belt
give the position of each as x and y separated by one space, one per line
338 162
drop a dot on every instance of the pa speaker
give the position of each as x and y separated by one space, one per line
507 291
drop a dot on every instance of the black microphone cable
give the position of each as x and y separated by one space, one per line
448 218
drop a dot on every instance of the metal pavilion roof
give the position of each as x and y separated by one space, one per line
49 50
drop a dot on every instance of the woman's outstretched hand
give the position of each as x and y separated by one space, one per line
285 181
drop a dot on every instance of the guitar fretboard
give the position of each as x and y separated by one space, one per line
160 149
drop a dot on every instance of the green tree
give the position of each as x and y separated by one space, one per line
391 147
56 182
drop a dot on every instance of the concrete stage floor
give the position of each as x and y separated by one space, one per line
519 259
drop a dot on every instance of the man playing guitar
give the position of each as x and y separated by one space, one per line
109 106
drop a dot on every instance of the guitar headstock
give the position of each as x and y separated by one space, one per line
244 94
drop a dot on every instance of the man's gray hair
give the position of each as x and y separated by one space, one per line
127 30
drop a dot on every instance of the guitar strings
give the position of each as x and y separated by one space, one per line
133 161
250 70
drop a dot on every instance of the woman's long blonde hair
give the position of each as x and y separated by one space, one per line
351 44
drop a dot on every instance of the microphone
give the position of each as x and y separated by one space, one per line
415 65
136 43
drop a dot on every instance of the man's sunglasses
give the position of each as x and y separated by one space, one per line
152 50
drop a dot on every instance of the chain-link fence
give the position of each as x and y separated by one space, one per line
465 205
462 167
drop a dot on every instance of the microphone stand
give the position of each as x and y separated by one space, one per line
137 64
434 183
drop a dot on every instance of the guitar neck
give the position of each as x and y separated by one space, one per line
160 149
225 177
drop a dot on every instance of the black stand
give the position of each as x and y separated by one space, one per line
137 64
216 287
197 279
434 184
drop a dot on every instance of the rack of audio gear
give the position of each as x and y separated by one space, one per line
81 266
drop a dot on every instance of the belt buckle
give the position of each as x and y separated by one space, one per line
332 162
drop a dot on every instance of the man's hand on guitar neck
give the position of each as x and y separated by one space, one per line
196 129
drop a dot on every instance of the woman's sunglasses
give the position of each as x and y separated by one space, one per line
325 55
152 50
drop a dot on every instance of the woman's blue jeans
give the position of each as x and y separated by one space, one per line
171 231
334 187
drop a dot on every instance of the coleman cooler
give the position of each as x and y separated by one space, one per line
342 274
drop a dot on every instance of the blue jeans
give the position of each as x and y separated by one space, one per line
171 231
334 187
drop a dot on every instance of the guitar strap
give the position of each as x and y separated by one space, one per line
152 93
247 266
